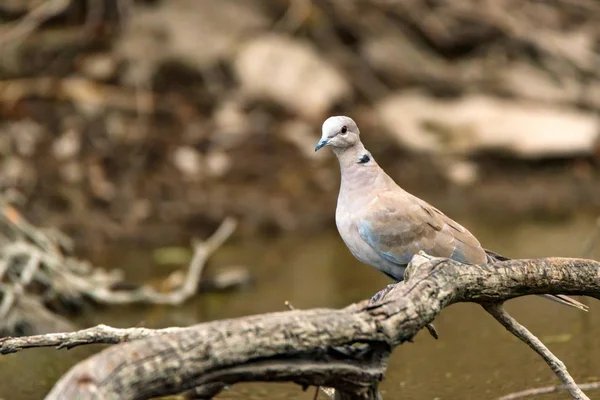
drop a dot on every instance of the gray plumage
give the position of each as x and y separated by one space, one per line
385 226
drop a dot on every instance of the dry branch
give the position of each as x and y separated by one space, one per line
31 257
68 340
557 366
546 390
147 294
33 20
300 346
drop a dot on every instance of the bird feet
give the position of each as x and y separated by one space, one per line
381 294
432 331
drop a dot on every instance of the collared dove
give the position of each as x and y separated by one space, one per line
385 226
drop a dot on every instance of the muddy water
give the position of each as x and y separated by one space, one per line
475 358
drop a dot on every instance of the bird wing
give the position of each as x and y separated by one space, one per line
398 225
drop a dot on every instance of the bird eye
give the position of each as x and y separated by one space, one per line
344 130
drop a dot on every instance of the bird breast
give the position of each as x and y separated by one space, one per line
360 249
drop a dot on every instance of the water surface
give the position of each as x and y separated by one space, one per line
475 358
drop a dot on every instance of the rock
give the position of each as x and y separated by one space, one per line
279 69
591 94
89 98
188 161
67 145
575 47
232 125
475 123
100 186
123 129
403 61
99 66
71 172
218 163
140 210
25 136
196 33
461 172
15 172
523 80
194 131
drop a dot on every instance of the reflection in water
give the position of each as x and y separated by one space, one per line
475 358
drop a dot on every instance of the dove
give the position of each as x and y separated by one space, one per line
385 226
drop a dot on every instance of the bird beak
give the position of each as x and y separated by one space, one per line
322 143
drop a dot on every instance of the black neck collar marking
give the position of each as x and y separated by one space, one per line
364 159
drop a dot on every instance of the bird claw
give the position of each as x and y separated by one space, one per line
432 331
377 297
356 350
429 257
420 259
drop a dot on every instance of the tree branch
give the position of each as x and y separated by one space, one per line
300 346
96 335
33 20
36 264
547 390
147 294
557 366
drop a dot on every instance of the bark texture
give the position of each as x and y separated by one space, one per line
318 346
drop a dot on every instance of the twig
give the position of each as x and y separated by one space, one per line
202 252
99 287
432 331
33 20
559 368
95 335
29 256
546 390
147 294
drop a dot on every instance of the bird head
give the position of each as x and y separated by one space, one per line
339 132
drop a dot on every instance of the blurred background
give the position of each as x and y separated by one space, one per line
134 126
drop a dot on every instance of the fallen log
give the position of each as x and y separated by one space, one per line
345 349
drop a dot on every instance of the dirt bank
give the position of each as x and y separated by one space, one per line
152 120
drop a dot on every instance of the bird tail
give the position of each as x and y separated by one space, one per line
491 256
566 300
559 298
